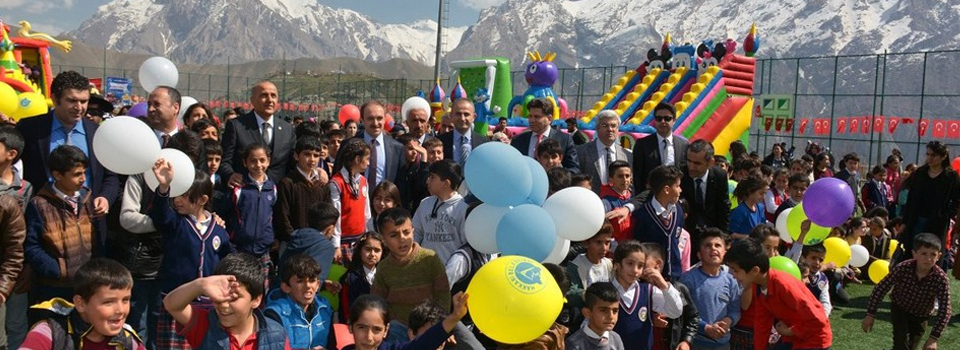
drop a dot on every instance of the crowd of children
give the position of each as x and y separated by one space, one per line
278 263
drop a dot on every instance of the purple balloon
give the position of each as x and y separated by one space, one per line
828 202
138 110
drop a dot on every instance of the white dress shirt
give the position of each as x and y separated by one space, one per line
381 159
456 144
161 133
260 122
604 162
666 302
666 153
532 149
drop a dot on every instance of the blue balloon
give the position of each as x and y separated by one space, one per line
527 230
497 174
541 185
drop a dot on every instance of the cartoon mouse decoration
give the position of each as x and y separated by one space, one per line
655 60
707 58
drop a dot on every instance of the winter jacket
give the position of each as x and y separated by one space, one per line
304 331
13 231
250 220
138 245
67 329
58 240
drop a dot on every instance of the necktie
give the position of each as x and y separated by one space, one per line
372 169
699 191
266 133
667 154
164 139
464 150
606 169
535 147
69 136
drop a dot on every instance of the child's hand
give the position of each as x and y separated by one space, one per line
867 324
163 170
829 266
931 344
331 286
217 219
804 227
220 288
683 346
783 329
654 277
459 310
659 321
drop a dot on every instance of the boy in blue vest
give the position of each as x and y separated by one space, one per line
660 219
235 322
306 316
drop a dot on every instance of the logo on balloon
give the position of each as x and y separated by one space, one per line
24 102
524 277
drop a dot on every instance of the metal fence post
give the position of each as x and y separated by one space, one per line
923 94
833 102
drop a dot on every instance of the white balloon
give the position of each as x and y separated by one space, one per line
157 71
859 256
186 102
559 252
577 212
781 225
183 172
126 145
481 227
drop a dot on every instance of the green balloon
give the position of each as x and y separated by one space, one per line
817 233
336 271
784 264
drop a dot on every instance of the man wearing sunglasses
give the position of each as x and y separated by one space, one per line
662 148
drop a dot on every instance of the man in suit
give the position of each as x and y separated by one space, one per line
417 116
596 155
458 143
704 187
163 107
539 111
386 154
662 148
258 126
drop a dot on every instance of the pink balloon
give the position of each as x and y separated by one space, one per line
349 112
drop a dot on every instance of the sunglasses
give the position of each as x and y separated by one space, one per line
663 118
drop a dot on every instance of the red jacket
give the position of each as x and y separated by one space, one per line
788 300
353 219
622 230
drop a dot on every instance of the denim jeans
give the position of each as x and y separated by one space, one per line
145 310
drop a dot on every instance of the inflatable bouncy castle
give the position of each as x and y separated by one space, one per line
25 73
710 85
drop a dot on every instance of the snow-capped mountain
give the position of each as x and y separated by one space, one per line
213 31
603 32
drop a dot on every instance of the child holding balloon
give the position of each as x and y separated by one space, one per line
643 291
918 284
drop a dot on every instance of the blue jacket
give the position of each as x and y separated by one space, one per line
270 334
250 218
188 253
303 333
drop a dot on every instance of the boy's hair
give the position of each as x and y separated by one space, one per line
336 133
747 254
307 129
447 170
11 138
760 233
548 148
246 268
578 178
308 143
663 176
713 232
746 164
626 248
877 170
651 249
666 107
396 216
189 143
202 124
253 147
615 166
100 272
66 157
212 147
600 291
431 142
605 229
321 215
813 248
405 139
300 265
926 240
806 158
766 170
326 125
878 221
369 302
558 179
720 159
427 313
850 156
803 266
201 187
877 212
747 186
798 179
560 275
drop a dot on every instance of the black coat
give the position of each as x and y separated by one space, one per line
646 157
715 212
243 131
447 138
522 143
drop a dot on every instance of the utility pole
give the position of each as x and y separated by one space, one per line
436 62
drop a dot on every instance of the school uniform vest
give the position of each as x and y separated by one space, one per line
633 323
353 219
650 227
270 334
819 285
621 228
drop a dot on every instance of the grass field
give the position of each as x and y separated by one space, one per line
846 319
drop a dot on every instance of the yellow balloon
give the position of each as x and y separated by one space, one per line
893 247
31 104
514 299
8 100
838 251
878 270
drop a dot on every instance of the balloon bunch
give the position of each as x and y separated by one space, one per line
120 147
513 299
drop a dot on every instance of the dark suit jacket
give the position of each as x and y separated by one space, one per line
589 160
36 152
243 131
475 141
715 212
646 157
522 143
393 158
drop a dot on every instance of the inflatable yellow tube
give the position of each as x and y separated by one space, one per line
739 124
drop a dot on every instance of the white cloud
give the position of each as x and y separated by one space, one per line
481 4
12 4
49 28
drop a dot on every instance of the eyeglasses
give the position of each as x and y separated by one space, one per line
664 118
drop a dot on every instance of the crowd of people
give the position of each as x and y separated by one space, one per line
311 234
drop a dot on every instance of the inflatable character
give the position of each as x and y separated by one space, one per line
540 74
684 56
484 114
710 58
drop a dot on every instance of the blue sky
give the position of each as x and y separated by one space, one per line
55 16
